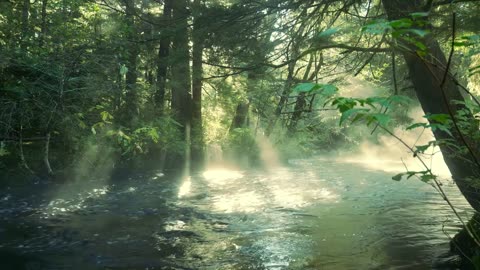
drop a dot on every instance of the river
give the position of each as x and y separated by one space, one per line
310 214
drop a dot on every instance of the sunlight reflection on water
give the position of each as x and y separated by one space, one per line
220 176
59 205
230 191
185 188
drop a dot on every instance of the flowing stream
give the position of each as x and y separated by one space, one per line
312 214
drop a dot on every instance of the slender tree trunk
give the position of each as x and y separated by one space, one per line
46 151
163 52
23 161
301 102
240 119
43 26
25 22
131 96
287 89
435 97
198 146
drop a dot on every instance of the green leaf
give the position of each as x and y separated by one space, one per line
419 32
410 174
421 148
427 177
445 129
377 27
329 89
106 116
402 23
94 131
306 87
348 113
439 118
381 118
327 33
398 177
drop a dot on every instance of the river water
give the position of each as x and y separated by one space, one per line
311 214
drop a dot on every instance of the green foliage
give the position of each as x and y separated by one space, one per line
367 109
467 40
409 30
424 176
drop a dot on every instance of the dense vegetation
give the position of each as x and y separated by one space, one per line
89 87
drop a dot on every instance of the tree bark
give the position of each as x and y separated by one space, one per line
23 161
240 120
181 84
131 96
435 97
163 52
198 146
43 26
25 22
180 78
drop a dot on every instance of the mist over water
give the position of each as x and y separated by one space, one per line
391 155
387 153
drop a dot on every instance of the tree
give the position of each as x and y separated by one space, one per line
438 93
198 34
163 53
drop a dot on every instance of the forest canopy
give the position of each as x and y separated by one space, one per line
91 84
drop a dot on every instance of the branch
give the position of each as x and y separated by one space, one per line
307 111
347 49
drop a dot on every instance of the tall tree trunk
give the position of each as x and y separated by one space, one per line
25 23
163 52
131 96
287 89
427 74
181 79
240 120
43 26
198 146
181 85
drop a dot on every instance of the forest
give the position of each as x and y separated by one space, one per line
239 134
